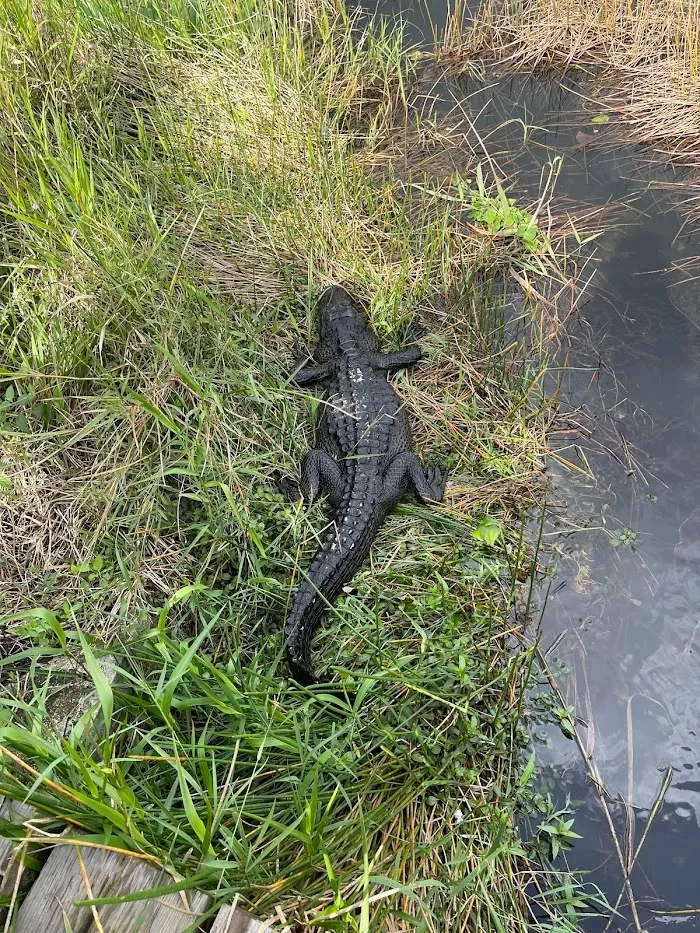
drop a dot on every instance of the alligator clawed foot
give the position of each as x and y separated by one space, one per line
288 486
437 480
301 356
416 332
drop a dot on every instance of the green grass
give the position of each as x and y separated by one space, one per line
177 183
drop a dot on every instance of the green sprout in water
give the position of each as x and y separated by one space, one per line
626 537
499 213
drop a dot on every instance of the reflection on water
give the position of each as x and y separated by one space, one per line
626 544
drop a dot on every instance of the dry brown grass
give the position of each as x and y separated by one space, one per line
49 527
564 33
40 520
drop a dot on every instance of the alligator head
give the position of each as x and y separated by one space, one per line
343 326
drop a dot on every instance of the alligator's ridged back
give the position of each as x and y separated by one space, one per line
345 548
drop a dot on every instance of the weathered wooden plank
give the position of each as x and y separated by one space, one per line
50 903
14 875
6 845
234 920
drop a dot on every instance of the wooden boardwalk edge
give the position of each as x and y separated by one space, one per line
234 920
15 877
72 873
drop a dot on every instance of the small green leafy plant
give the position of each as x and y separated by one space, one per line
500 214
625 538
555 832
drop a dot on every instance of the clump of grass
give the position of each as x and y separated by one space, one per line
392 807
248 786
175 189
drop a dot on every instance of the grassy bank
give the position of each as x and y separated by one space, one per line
176 186
640 63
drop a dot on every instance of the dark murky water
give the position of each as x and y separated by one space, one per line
627 543
626 596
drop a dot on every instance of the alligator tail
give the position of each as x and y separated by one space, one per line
344 549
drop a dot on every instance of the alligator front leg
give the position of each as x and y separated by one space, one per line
390 362
310 375
320 476
407 472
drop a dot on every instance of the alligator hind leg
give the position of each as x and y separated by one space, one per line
406 472
320 476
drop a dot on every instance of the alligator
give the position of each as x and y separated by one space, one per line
362 460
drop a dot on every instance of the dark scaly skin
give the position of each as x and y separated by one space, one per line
362 460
